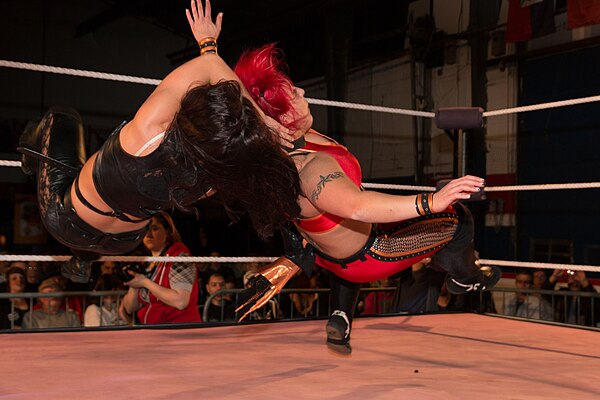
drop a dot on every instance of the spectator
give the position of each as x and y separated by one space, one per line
527 305
540 280
107 314
420 288
108 268
51 315
578 310
12 310
33 273
380 302
229 284
168 291
304 303
4 265
219 308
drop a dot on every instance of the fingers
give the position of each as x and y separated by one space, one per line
189 17
219 23
194 8
207 9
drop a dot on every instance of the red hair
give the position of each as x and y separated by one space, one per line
261 72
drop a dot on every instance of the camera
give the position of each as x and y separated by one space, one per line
137 268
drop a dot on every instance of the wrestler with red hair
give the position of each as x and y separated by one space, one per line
358 235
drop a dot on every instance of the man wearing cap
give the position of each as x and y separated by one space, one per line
51 315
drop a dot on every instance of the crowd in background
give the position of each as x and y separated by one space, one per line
177 292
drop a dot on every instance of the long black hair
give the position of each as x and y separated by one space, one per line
221 134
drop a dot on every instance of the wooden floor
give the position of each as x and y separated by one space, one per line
460 356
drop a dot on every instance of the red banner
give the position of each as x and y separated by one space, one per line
583 12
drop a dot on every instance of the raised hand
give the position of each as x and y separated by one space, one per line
201 22
456 190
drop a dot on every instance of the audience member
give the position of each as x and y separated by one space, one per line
527 305
219 308
109 268
51 315
579 310
12 310
540 280
305 304
4 265
419 288
33 274
108 313
380 302
166 292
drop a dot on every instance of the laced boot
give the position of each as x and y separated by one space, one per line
338 332
54 150
29 139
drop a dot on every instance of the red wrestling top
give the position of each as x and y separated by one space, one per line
349 164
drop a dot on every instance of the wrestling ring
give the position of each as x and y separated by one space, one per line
450 356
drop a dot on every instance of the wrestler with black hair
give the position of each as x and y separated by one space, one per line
197 134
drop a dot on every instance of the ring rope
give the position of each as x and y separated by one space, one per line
366 107
527 264
542 106
427 114
78 72
386 186
52 258
516 188
397 187
9 163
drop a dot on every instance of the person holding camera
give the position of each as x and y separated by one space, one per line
164 292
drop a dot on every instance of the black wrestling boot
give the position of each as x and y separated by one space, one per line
29 140
459 259
487 280
55 151
338 333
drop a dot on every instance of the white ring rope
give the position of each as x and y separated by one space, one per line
50 258
366 107
9 163
191 259
527 264
516 188
392 110
390 186
386 186
542 106
78 72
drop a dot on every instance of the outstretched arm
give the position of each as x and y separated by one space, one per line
330 190
157 112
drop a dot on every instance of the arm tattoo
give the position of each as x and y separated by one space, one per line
324 179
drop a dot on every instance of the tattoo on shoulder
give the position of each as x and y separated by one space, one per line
324 179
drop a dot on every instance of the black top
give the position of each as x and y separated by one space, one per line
144 186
